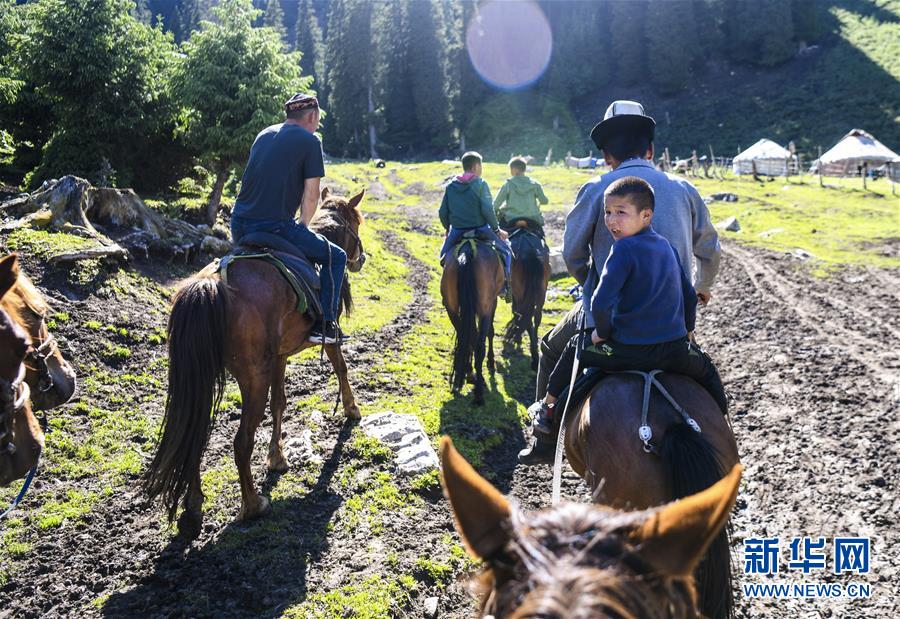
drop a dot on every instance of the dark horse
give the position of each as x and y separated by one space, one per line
581 560
529 275
249 328
21 438
50 377
472 279
602 445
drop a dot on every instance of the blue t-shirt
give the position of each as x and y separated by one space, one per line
644 296
281 159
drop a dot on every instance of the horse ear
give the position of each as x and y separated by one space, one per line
9 273
675 537
478 507
355 200
325 193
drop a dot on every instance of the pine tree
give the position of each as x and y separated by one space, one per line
806 20
309 42
671 35
426 69
274 19
760 31
627 40
348 77
395 109
580 59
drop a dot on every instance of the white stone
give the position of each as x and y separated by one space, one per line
406 437
301 449
430 608
731 224
557 263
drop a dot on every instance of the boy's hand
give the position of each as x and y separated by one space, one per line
595 338
503 234
704 297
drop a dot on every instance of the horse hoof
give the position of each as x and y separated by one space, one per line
261 508
353 413
278 465
189 524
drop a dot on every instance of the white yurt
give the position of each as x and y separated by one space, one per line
769 158
856 149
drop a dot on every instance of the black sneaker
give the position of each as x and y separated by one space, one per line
538 451
327 332
542 418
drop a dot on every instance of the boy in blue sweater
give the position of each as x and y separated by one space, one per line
643 308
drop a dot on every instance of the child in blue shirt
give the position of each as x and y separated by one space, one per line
643 308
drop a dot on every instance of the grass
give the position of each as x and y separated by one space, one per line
372 597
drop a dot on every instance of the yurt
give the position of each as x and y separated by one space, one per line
856 149
769 159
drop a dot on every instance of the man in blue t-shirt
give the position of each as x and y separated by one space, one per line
283 173
643 308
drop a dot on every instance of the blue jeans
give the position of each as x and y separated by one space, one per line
315 246
484 232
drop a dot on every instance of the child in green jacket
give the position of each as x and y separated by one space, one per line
518 199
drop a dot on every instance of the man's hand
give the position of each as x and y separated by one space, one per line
595 338
704 297
503 234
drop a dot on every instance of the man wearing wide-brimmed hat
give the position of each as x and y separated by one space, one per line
625 135
283 173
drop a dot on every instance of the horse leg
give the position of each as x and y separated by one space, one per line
351 410
276 460
490 353
533 322
483 330
191 519
254 396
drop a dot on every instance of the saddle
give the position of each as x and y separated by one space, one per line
474 240
524 240
301 275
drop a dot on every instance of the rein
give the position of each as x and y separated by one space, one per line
347 229
14 395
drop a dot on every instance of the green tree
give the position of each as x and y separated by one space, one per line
348 79
760 31
274 19
427 71
804 14
103 75
395 109
232 83
626 32
308 42
671 35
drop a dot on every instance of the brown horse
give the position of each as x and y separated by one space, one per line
50 377
602 445
471 281
21 438
249 328
581 560
529 275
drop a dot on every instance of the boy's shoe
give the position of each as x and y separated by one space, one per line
542 416
327 332
539 451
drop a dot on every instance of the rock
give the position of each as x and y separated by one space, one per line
430 608
300 448
404 435
768 233
557 264
802 254
215 246
723 197
731 224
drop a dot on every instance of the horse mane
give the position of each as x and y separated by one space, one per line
577 560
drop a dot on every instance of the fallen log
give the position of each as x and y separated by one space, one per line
112 252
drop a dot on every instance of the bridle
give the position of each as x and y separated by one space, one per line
14 396
37 357
360 252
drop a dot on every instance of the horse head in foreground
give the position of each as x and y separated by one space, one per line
50 377
582 560
21 438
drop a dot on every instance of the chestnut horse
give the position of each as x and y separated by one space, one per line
472 279
602 445
582 560
528 279
50 377
21 438
249 328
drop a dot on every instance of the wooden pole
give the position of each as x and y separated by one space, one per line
864 172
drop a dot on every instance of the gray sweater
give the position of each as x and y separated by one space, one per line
680 216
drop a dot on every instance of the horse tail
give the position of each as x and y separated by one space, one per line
523 314
695 467
466 327
196 335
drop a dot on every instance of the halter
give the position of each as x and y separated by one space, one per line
347 229
38 356
14 395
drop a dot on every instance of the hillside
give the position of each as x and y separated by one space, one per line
850 79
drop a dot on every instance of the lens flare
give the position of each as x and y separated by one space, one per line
509 43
